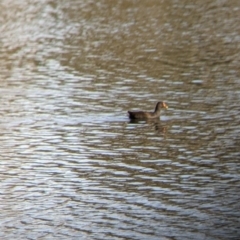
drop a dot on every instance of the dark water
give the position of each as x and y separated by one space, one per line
72 166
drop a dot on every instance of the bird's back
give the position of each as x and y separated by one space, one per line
139 115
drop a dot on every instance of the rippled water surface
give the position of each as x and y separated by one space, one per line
72 166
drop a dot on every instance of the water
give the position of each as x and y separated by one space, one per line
73 166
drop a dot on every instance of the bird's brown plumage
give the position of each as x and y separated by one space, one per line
148 115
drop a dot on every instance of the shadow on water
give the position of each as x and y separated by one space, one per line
155 124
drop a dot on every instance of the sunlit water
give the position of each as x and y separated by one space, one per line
73 166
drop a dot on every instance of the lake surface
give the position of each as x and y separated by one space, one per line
72 165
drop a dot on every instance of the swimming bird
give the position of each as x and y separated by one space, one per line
148 115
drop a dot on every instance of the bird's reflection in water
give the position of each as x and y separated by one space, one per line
156 123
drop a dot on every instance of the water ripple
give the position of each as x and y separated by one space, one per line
73 166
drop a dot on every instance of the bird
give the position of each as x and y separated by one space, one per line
148 115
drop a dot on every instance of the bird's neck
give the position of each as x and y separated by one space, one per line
157 109
157 112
